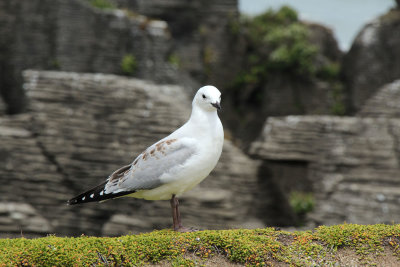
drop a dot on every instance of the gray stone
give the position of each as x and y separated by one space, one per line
374 58
352 164
201 35
19 218
71 35
384 103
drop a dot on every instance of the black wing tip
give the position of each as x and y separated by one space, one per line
92 195
74 201
96 194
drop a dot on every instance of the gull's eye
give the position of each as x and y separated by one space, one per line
204 96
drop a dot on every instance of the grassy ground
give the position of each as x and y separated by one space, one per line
340 245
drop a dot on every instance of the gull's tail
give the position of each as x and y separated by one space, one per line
96 194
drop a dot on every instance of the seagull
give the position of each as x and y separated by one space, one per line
173 165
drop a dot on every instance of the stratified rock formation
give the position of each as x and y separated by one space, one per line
202 41
384 103
80 128
32 192
71 35
353 163
178 42
374 58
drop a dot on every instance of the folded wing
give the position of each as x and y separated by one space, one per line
147 170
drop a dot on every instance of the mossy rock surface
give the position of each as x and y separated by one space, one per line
340 245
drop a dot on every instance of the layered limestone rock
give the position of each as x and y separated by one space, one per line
32 195
80 128
374 58
384 103
353 164
201 35
72 35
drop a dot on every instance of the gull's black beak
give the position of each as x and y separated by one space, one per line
217 105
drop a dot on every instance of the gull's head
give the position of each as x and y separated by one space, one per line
208 98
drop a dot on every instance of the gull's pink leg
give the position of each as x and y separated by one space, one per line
176 216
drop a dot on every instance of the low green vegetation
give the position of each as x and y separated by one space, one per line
338 107
128 64
174 60
54 64
102 4
330 73
301 202
259 247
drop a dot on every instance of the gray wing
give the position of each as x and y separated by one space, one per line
149 166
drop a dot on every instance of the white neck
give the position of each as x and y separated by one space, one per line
203 117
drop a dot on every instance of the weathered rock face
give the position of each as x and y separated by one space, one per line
352 164
374 58
201 35
32 192
80 128
324 38
73 36
200 38
3 107
384 103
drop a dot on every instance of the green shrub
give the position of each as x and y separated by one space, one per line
329 71
54 64
301 202
174 60
102 4
277 42
291 50
128 64
338 107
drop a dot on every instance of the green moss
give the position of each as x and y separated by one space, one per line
54 64
102 4
134 250
367 240
338 107
329 72
128 64
174 60
301 202
250 247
